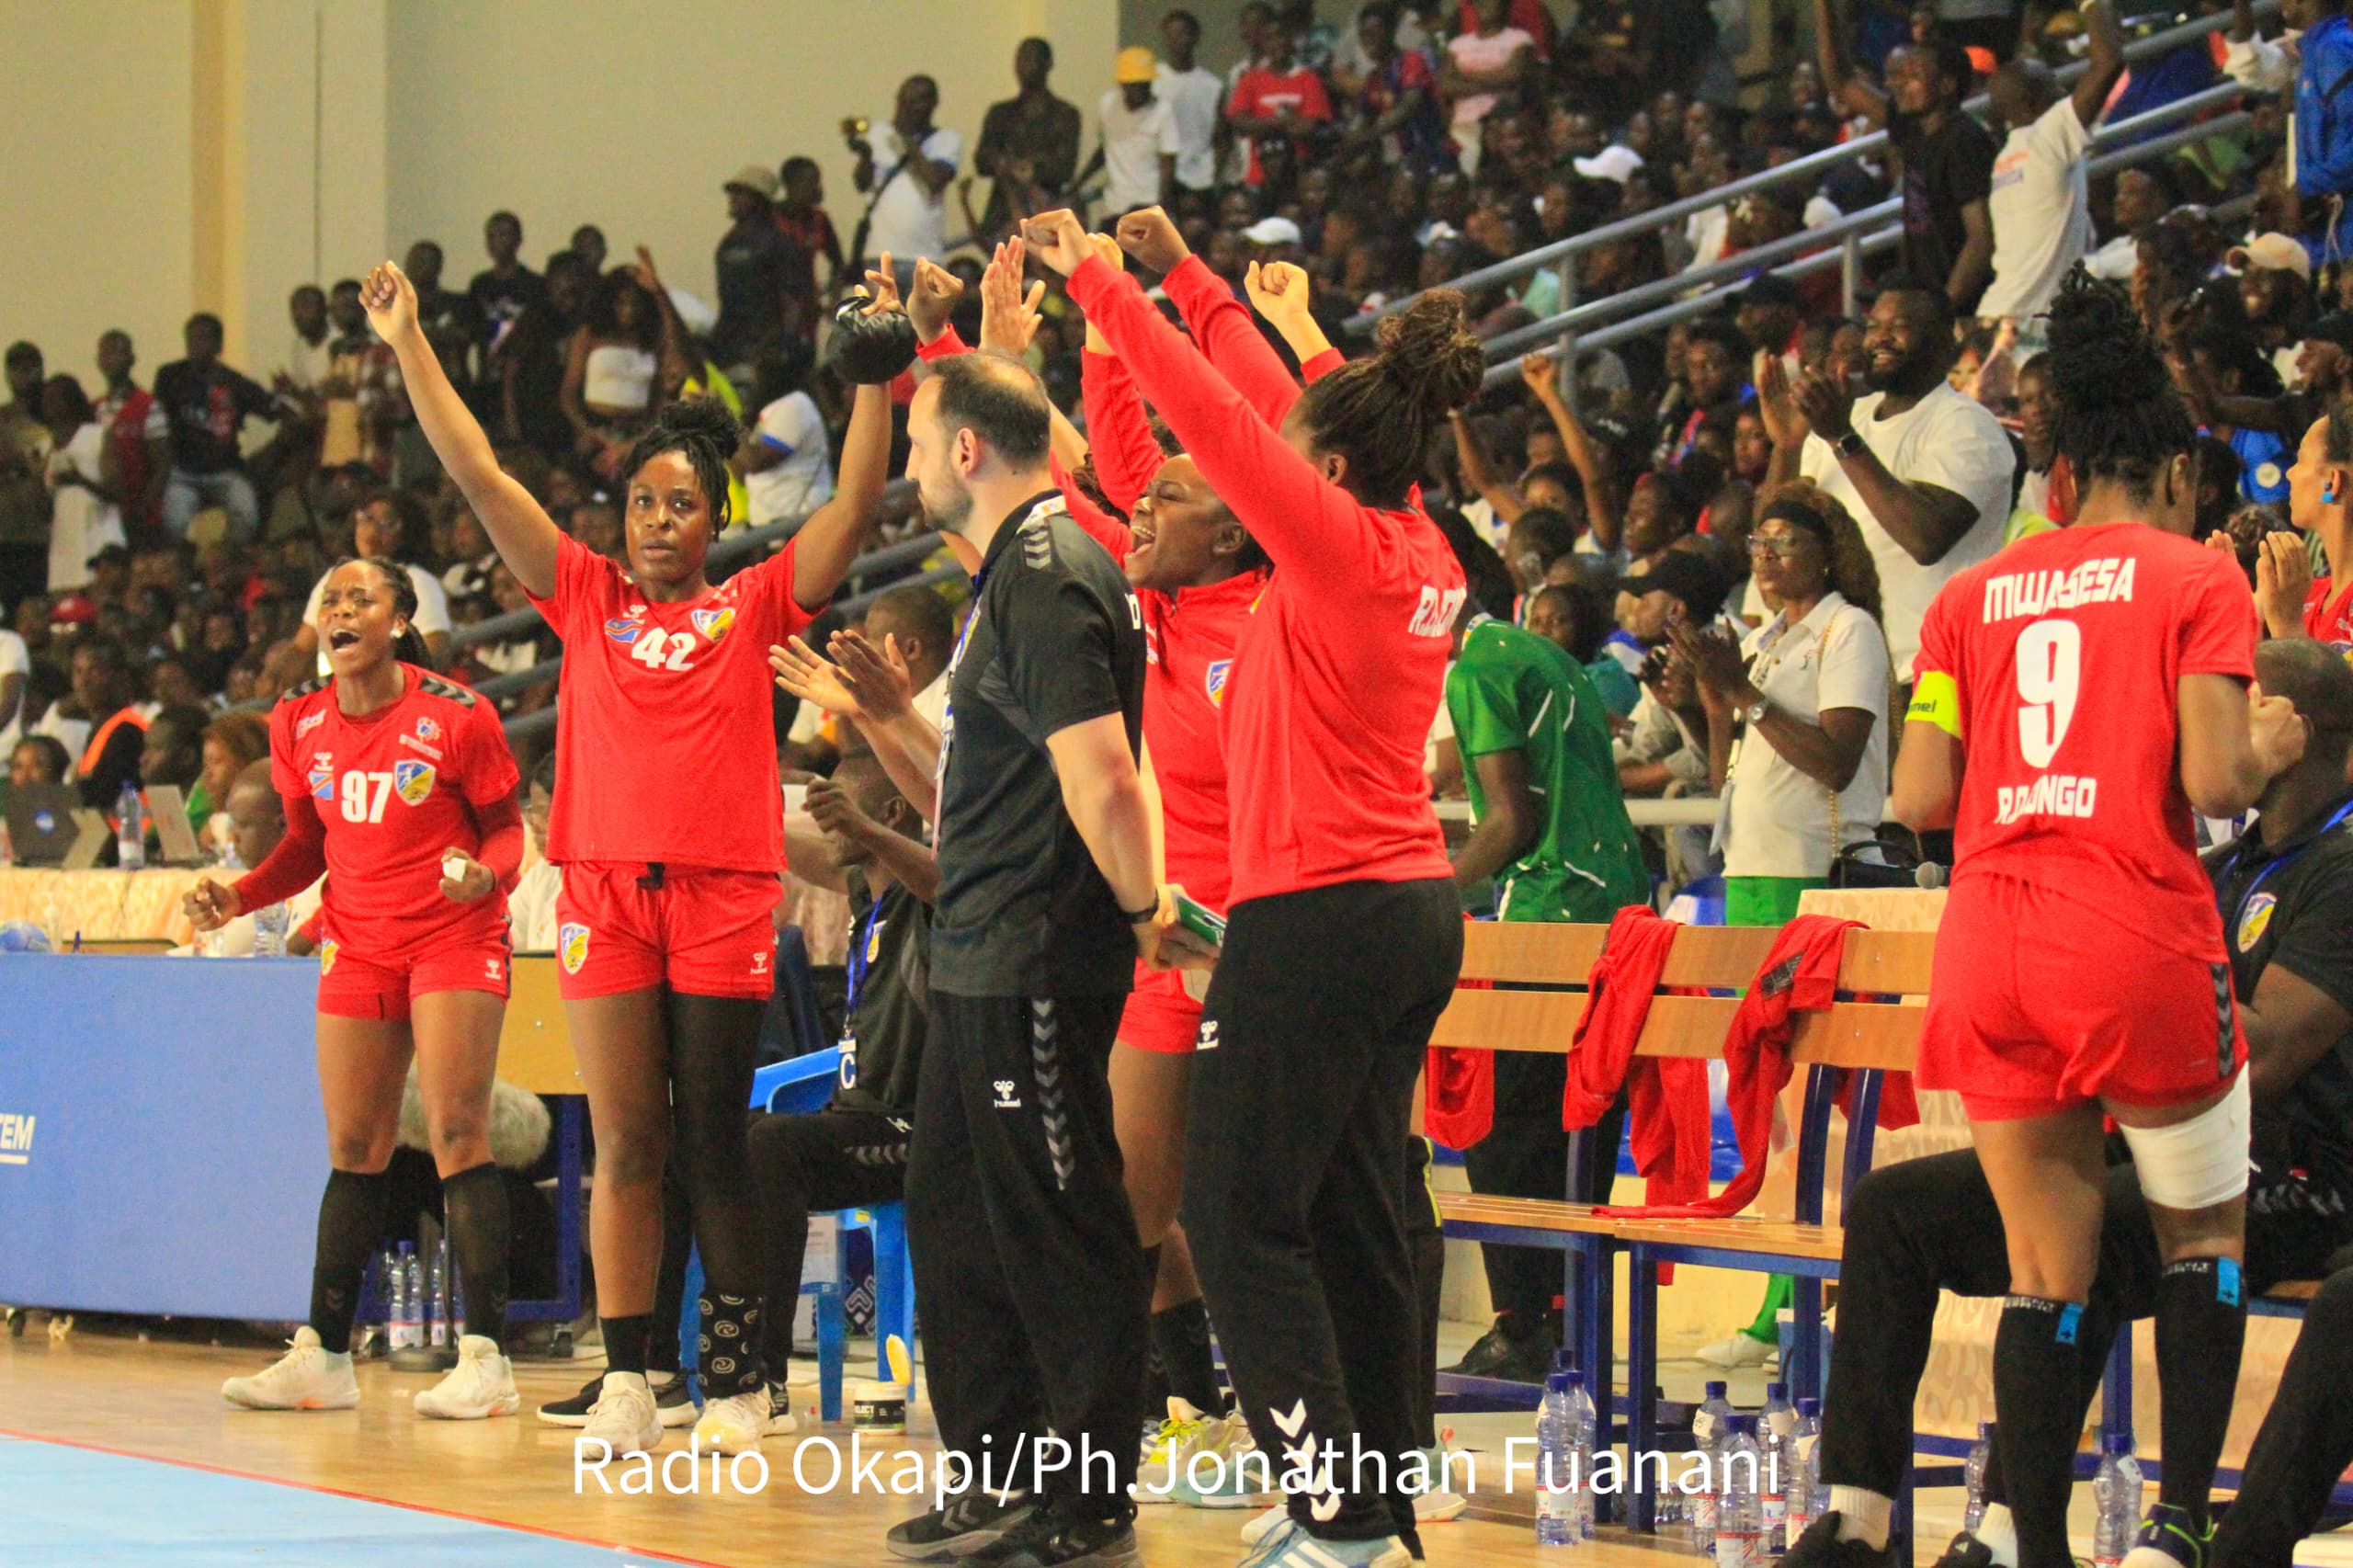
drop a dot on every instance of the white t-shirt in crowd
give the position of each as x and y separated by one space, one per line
530 908
432 609
74 734
1778 818
2041 210
307 363
909 220
804 479
1472 53
1134 140
81 522
1947 440
1194 98
15 659
2113 262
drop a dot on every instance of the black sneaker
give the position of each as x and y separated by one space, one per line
1820 1548
1966 1551
1051 1539
672 1403
970 1523
1508 1350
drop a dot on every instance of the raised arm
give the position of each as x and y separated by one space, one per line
1479 470
2105 34
1118 431
1282 295
1102 527
2235 740
830 540
519 529
1600 499
1215 318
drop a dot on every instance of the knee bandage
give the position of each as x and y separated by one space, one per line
2198 1163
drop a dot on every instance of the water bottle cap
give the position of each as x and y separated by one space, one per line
1809 1406
2116 1443
1984 1431
407 1247
1576 1379
1716 1390
1556 1383
1560 1357
1743 1423
1777 1391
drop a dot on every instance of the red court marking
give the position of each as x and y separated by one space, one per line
362 1497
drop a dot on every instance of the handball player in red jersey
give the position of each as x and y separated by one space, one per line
400 785
670 831
2078 696
1344 937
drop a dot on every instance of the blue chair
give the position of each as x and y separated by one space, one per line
801 1085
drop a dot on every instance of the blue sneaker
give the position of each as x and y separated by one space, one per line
1289 1546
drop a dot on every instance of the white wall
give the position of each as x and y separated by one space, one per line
632 116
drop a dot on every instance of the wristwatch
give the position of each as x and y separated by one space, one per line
1754 714
1847 444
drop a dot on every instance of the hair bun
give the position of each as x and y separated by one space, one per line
870 349
701 419
1428 349
2099 357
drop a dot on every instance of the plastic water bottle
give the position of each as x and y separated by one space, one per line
1973 1513
1806 1501
1584 1426
1556 1503
1776 1425
388 1286
456 1308
1740 1507
269 932
130 834
408 1324
436 1298
2115 1493
1709 1430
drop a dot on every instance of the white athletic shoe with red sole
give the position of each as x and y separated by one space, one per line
308 1377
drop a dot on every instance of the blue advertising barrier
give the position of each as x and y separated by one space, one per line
161 1141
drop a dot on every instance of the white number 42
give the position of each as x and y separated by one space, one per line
658 650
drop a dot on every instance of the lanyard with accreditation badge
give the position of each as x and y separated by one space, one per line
2233 917
861 955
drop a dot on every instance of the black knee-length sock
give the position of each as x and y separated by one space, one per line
2201 1328
2035 1358
351 1223
1180 1337
474 1204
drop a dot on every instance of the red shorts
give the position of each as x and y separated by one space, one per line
703 931
1162 1016
353 987
2037 1004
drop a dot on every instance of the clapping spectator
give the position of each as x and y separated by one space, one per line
1394 103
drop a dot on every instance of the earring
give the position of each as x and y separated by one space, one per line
2328 494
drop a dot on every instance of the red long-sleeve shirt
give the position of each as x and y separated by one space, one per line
1343 663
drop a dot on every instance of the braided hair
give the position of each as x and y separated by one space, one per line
409 646
2118 420
708 435
1380 412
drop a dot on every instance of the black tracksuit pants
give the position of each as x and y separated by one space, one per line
1297 1182
1931 1224
835 1158
1526 1155
2304 1443
1034 1297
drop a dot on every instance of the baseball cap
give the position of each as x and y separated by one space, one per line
1135 63
1689 579
1616 162
1273 231
759 180
73 609
2281 253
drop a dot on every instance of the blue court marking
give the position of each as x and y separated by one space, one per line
65 1507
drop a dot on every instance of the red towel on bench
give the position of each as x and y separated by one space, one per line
1665 1097
1799 973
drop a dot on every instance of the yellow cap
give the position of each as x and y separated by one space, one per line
1135 63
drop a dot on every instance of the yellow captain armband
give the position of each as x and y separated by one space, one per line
1937 700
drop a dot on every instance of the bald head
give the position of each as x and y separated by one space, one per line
255 814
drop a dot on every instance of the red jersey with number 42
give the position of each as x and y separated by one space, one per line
2066 652
395 789
666 748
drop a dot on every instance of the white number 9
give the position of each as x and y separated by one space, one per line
2049 657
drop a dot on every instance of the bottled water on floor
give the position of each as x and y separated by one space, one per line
1776 1425
436 1298
130 832
1974 1467
387 1288
2115 1495
1585 1440
1740 1504
1709 1430
1806 1501
1556 1503
408 1327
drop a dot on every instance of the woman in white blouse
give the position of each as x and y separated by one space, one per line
1797 715
85 493
621 368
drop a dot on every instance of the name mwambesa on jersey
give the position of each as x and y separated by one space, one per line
2105 581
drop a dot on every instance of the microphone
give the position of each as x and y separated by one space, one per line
1929 875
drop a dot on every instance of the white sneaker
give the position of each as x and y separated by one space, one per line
1739 1350
1289 1546
736 1424
1154 1475
482 1385
1435 1502
308 1377
623 1417
1259 1526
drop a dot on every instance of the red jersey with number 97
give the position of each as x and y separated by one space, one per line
666 747
395 789
2060 660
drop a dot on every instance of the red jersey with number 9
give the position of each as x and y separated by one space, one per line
2059 659
666 748
395 789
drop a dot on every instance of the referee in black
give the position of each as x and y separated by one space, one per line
1033 1286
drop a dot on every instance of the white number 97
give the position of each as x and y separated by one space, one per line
2049 657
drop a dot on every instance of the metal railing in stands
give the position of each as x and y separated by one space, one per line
1850 233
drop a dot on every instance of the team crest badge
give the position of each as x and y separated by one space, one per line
1215 682
714 623
326 958
2255 919
874 944
427 730
572 948
414 780
623 630
321 777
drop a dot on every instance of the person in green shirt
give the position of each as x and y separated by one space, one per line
1550 831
